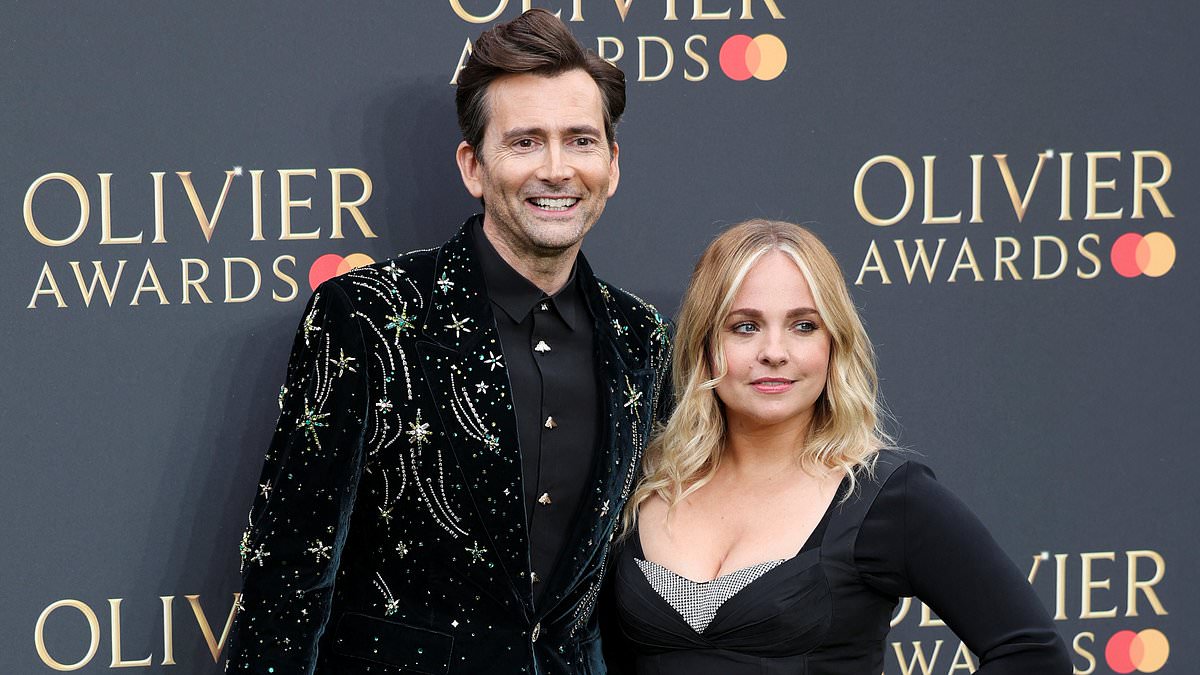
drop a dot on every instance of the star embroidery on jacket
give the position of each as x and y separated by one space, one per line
418 432
393 271
458 325
385 514
493 360
492 442
260 554
444 284
342 362
400 322
310 421
384 405
309 326
320 550
632 394
476 552
482 387
265 488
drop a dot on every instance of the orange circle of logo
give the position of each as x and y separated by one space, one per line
331 265
1152 254
1145 652
763 57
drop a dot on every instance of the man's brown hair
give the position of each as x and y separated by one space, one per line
538 43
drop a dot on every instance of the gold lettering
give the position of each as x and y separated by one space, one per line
601 42
1089 584
207 223
1145 586
876 266
148 271
698 13
1140 185
971 264
46 277
921 256
918 658
770 4
1077 646
352 207
976 188
189 283
623 8
687 49
1060 586
160 230
256 204
229 297
1020 203
87 290
463 14
106 215
1007 261
84 209
462 60
39 638
929 218
285 278
214 646
168 630
286 204
117 661
962 660
642 40
1092 237
1040 239
671 15
1093 159
861 204
1064 210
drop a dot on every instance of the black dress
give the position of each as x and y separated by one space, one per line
826 610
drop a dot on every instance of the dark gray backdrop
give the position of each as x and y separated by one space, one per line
1060 409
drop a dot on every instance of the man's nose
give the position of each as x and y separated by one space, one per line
556 166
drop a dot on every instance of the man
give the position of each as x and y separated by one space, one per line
461 426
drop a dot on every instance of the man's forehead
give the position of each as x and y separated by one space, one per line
546 102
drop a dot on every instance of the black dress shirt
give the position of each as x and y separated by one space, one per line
549 346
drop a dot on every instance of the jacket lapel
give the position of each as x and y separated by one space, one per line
466 372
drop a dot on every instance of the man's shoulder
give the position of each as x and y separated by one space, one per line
642 315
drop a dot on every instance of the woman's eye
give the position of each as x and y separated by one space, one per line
806 326
744 327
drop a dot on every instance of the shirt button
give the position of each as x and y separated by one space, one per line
550 423
534 577
544 500
541 347
544 307
537 632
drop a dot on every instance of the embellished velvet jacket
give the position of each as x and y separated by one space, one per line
389 534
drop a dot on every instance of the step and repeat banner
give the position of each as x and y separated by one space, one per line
1010 188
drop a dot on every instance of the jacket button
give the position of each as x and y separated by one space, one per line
537 631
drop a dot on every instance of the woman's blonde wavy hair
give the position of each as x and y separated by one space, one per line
847 428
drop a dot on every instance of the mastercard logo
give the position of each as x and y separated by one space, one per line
331 265
1134 254
1145 652
763 57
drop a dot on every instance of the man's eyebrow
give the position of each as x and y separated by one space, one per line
539 132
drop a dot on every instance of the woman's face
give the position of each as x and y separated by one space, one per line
776 347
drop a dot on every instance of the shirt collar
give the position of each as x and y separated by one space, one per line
515 294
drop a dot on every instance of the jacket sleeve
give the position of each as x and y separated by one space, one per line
919 539
661 356
300 517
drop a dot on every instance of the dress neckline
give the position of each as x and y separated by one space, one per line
810 542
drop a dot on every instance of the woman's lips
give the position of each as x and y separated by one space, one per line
771 385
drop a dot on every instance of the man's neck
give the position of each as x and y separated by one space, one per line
548 272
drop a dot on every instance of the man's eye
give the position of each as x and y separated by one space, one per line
524 143
584 142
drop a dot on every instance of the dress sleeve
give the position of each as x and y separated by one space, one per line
300 516
920 540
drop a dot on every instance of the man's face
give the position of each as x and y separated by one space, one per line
543 168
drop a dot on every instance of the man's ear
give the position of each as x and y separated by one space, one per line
614 170
469 166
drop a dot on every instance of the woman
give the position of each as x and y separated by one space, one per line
772 532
